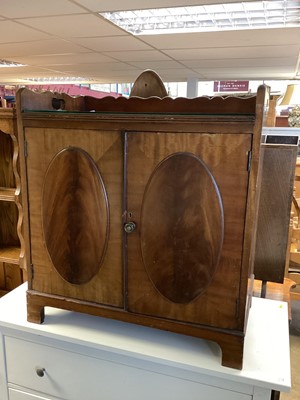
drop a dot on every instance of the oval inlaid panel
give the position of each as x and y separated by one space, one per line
75 215
182 227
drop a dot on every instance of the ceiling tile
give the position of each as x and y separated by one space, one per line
41 47
241 62
13 32
117 5
233 52
242 73
156 64
109 66
227 39
119 43
79 25
63 59
179 74
150 55
35 8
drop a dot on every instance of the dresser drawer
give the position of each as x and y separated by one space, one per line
73 376
20 395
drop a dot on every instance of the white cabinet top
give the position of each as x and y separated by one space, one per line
281 131
266 353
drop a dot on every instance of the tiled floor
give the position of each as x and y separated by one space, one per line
294 394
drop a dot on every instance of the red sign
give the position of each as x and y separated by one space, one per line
231 86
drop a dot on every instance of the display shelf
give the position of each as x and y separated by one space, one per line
10 254
11 239
7 194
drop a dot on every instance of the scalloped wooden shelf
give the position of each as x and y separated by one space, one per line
10 255
7 194
12 264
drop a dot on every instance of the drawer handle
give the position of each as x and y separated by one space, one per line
40 372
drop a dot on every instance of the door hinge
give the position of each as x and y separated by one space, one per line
25 149
237 308
249 160
31 271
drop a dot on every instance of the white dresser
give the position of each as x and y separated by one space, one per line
80 357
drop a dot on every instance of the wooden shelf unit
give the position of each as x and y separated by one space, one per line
12 266
7 194
10 255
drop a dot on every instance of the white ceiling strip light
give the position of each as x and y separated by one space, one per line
9 64
61 79
208 18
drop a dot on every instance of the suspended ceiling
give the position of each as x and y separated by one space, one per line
68 38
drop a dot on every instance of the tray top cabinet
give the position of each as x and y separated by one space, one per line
143 210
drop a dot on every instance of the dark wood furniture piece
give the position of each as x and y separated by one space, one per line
276 191
276 291
143 210
282 121
293 256
12 266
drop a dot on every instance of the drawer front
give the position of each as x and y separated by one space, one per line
20 395
72 376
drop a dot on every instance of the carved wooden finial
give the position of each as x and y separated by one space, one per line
148 84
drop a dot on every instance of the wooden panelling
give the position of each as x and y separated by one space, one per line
75 215
279 162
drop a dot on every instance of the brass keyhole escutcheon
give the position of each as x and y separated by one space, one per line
129 227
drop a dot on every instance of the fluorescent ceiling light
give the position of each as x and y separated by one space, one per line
208 18
9 64
60 79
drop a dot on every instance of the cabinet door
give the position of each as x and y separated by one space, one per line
187 195
75 180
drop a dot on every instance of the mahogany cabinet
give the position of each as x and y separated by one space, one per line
143 210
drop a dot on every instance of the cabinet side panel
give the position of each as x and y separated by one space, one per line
276 192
